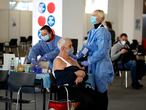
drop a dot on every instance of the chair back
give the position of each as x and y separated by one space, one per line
23 39
24 80
13 42
75 45
1 47
3 78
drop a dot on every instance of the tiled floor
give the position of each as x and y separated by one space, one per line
120 98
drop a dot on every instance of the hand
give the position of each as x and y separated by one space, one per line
74 57
123 51
78 80
84 51
33 61
43 58
84 63
36 69
80 73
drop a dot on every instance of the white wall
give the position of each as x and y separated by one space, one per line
123 14
74 19
4 4
23 21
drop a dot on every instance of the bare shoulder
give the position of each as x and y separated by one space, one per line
58 64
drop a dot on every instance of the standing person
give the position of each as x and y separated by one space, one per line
112 32
46 47
99 63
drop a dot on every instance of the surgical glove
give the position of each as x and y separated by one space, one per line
36 69
43 58
84 51
33 61
74 57
84 63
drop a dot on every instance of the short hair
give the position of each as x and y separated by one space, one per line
123 34
100 13
62 42
108 24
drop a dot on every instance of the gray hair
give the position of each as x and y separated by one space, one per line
62 42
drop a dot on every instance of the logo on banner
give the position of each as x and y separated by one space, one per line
42 7
41 20
51 7
51 20
39 34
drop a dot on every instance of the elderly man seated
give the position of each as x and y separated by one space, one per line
65 68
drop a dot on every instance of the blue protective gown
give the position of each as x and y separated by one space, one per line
100 65
50 50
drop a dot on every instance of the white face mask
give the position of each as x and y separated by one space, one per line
123 42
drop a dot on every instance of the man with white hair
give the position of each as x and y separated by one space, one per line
65 68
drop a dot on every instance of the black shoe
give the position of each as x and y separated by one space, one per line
137 86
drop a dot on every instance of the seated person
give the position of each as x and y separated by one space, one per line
122 54
65 68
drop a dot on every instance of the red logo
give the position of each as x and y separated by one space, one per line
41 20
51 7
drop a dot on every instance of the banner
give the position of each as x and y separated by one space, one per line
46 12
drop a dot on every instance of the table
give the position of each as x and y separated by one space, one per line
45 77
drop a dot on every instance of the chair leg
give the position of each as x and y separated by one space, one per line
120 74
6 104
126 79
20 100
35 100
11 97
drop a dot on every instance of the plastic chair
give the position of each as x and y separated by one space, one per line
21 83
124 70
1 51
23 42
3 86
29 42
13 46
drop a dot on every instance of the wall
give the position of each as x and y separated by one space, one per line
23 27
74 19
123 14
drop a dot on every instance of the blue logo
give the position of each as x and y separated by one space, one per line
42 7
39 34
51 20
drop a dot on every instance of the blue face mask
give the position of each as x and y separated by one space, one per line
93 20
45 38
70 51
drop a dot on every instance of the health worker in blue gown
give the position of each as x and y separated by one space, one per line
46 48
99 63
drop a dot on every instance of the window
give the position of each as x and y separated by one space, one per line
21 5
92 5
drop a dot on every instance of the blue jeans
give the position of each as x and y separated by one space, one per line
130 65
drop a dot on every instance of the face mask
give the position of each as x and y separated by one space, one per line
70 51
45 38
93 20
123 42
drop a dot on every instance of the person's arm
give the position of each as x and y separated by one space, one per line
115 52
52 54
33 53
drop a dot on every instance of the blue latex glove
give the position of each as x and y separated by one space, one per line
84 51
36 69
33 61
43 58
74 57
84 63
